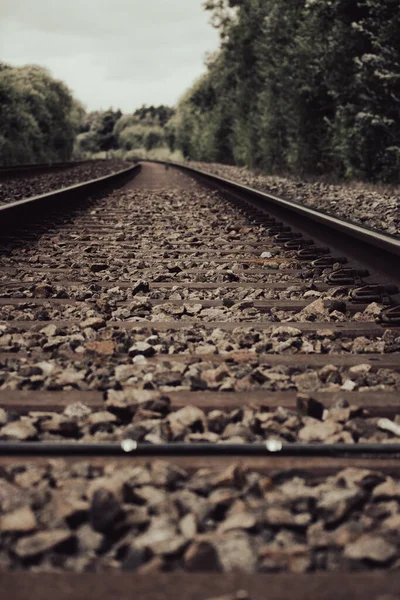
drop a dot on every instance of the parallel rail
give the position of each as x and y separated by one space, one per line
377 251
29 211
134 449
37 168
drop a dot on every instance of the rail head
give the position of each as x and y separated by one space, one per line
270 448
39 168
379 238
370 248
86 185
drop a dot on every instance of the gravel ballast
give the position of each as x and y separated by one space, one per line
159 517
147 416
375 207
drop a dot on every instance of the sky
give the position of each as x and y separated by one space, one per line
111 53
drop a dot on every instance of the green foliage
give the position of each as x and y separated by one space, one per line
307 86
154 115
162 153
133 134
203 125
97 132
38 116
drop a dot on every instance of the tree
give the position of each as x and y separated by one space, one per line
143 130
307 86
38 116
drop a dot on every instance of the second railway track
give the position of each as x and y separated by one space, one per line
167 312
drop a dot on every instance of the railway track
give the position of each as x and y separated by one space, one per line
25 181
196 378
35 168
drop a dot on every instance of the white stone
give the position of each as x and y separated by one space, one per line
348 385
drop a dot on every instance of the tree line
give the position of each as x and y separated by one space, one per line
39 117
301 86
129 135
41 121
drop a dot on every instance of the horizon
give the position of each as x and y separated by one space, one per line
120 53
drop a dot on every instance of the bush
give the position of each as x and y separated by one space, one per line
133 134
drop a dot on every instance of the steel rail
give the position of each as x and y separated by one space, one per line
183 449
14 214
32 168
368 248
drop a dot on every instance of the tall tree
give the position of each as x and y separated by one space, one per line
38 116
307 86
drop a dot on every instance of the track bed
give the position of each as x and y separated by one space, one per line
166 313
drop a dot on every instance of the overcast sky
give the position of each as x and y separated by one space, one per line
119 53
